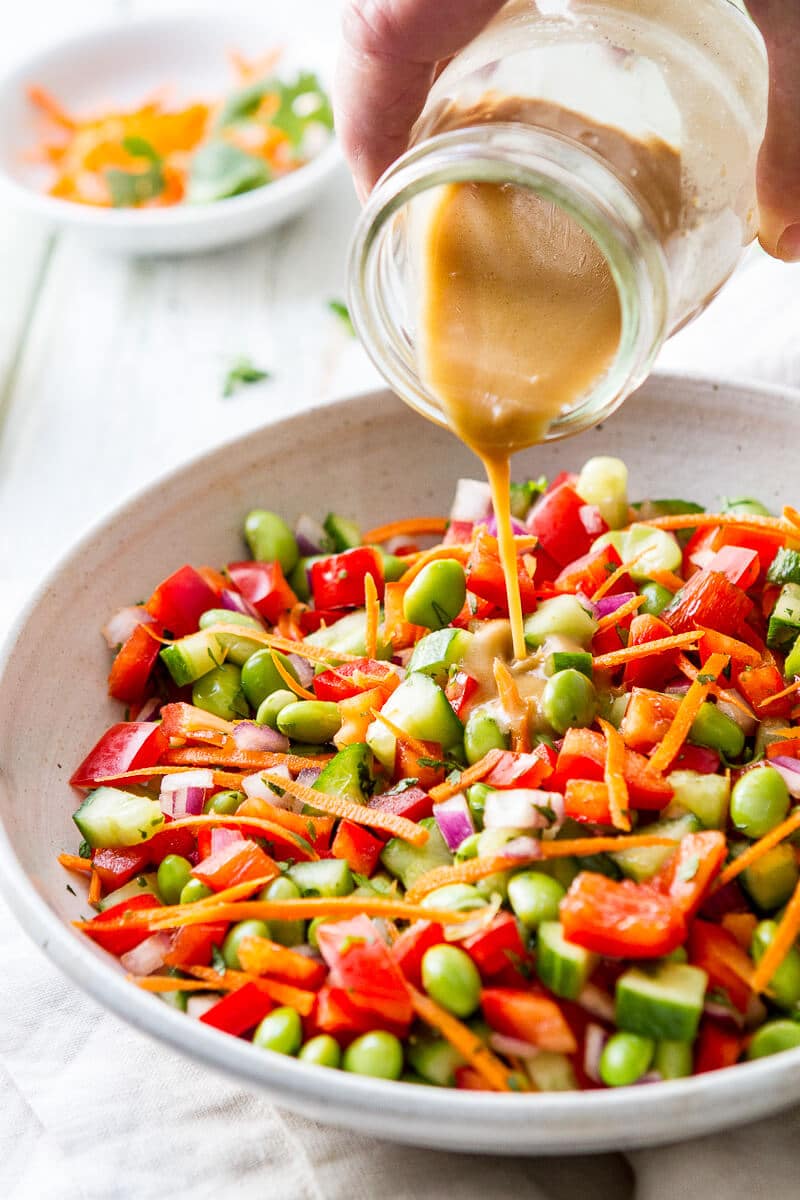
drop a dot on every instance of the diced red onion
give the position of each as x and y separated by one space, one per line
677 688
651 1077
303 669
745 720
517 526
202 777
148 956
222 837
512 1046
184 793
724 1012
149 710
597 1002
310 536
594 1042
472 501
589 605
610 604
725 899
235 602
756 1013
197 1006
123 623
522 848
789 770
454 820
249 736
520 808
308 776
256 787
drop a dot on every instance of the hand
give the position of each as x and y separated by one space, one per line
392 49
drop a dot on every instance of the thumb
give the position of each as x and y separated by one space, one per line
779 160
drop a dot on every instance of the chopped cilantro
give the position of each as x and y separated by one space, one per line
84 850
340 310
71 890
241 373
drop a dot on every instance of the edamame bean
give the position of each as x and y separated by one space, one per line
238 648
268 709
281 1031
626 1057
260 676
569 700
784 986
482 734
476 799
270 539
242 929
313 926
313 721
434 1059
656 598
759 801
673 1060
771 880
194 890
535 897
393 567
286 933
468 848
562 615
451 978
747 507
322 1050
378 1054
773 1037
437 595
460 897
225 803
220 692
714 729
174 873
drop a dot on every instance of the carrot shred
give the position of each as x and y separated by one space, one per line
414 744
359 814
742 926
170 983
95 888
283 993
411 527
617 658
515 707
667 579
615 576
373 613
239 891
577 847
758 849
233 821
787 691
473 774
781 944
613 774
691 671
290 680
687 711
625 610
723 643
275 642
261 956
73 862
461 1038
47 102
250 760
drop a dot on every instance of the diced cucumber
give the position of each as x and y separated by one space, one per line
613 708
326 877
344 533
437 651
604 483
561 966
193 656
653 549
139 885
298 579
662 1002
784 623
407 863
792 665
420 708
644 862
348 635
673 1060
785 567
771 880
552 1072
238 648
348 774
112 818
706 796
563 660
562 615
393 567
434 1058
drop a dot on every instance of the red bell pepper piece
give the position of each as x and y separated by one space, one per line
410 764
357 846
360 962
716 1048
589 572
515 770
621 920
410 947
757 684
192 945
338 683
120 941
180 600
647 719
738 564
235 863
702 759
565 525
413 803
338 581
657 669
136 658
170 841
458 533
704 544
530 1016
588 808
497 946
123 747
459 691
118 867
582 756
728 967
486 580
239 1011
709 599
689 874
613 637
312 619
263 586
335 1013
467 1079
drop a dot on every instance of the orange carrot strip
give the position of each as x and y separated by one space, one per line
791 515
462 1039
722 643
459 553
312 653
787 691
95 888
359 814
607 662
249 760
624 610
290 680
703 520
47 102
283 993
615 576
169 983
411 527
687 711
239 891
691 671
260 956
790 734
758 849
577 847
473 774
232 821
515 707
613 774
73 862
667 579
781 944
414 744
373 611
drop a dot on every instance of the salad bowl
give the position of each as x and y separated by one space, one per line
53 705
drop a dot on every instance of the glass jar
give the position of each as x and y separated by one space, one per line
641 119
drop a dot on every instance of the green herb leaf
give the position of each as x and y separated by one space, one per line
340 310
302 103
84 850
217 961
242 373
71 889
220 170
131 188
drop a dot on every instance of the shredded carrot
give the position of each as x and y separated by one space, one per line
260 956
462 1039
738 651
267 828
373 612
625 610
688 709
691 671
607 662
290 680
282 993
95 888
515 707
667 579
414 744
473 774
239 891
359 814
790 734
250 760
171 983
411 527
758 849
742 926
73 862
781 944
435 554
578 847
787 691
274 641
47 102
777 525
791 515
613 774
615 576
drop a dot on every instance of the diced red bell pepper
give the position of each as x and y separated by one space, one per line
412 803
589 572
263 585
334 1013
123 747
458 533
565 525
467 1079
410 947
203 842
547 569
701 759
704 544
312 619
239 1011
410 764
648 717
192 945
459 691
709 599
359 848
170 841
516 770
727 965
235 863
360 962
485 576
338 683
657 669
136 658
621 920
688 875
338 581
118 867
738 564
120 941
716 1047
497 946
586 801
612 638
180 600
530 1016
757 684
582 756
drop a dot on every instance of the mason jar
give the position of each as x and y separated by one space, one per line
640 119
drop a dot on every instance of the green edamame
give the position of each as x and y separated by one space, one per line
535 897
482 734
437 595
773 1037
759 801
268 709
194 890
451 978
281 1031
270 539
322 1050
460 897
476 799
711 727
626 1057
313 721
174 873
784 986
260 676
220 692
286 933
242 929
225 803
378 1054
569 700
656 598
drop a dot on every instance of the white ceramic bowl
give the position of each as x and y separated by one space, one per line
374 459
121 64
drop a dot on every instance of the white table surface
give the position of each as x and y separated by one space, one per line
111 372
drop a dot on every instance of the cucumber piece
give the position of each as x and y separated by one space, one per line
407 863
393 567
434 1058
112 818
561 966
344 533
326 877
705 796
662 1002
785 567
562 615
139 885
348 636
563 660
298 578
643 863
784 623
419 707
771 880
437 651
193 656
792 665
648 510
348 774
238 648
552 1072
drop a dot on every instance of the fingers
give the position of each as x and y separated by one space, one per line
387 65
779 160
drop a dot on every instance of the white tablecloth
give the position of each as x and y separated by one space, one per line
92 1110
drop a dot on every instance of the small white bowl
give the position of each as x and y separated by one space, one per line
121 64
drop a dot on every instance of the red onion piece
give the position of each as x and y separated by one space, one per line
595 1039
521 808
522 848
651 1077
303 668
746 721
472 501
454 820
517 526
235 602
610 604
308 776
512 1046
789 770
724 1012
249 736
123 623
310 536
184 793
597 1002
223 837
197 1006
150 709
256 787
148 956
588 604
201 777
